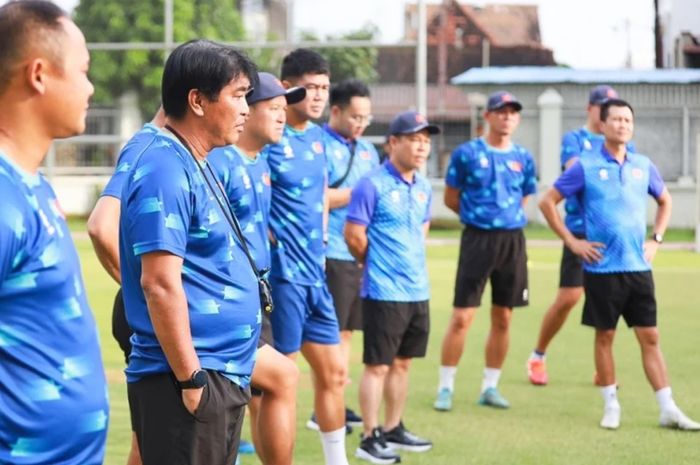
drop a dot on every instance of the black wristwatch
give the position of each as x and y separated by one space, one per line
658 238
198 380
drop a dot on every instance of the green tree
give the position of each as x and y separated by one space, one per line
115 72
350 62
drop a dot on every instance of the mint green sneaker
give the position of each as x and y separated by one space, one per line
443 403
492 398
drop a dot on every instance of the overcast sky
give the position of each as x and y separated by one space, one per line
583 33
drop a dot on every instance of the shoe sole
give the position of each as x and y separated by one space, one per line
364 455
354 424
399 446
440 408
489 404
535 382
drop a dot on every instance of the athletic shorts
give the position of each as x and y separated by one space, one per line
394 329
611 295
302 313
120 328
344 280
498 256
168 433
571 268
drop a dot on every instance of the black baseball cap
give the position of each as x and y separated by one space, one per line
410 122
601 94
501 99
270 87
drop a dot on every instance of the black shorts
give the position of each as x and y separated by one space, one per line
571 268
498 255
344 280
394 329
168 433
120 328
611 295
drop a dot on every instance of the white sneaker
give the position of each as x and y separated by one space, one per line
611 418
674 418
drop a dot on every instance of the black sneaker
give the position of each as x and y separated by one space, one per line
401 439
374 449
311 424
352 418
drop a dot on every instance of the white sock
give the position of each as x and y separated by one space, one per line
334 447
491 377
609 394
447 378
665 399
535 356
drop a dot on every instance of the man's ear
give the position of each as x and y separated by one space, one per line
35 74
287 84
195 100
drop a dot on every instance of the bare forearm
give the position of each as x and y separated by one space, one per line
108 255
663 215
103 229
549 210
338 198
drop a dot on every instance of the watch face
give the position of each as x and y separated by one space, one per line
199 378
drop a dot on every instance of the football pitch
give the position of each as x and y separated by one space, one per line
556 424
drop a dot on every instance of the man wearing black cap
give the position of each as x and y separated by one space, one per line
245 176
487 184
574 143
387 221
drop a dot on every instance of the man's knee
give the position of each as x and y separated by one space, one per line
648 336
401 365
377 371
568 297
461 317
604 337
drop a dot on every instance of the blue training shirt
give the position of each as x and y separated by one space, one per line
338 152
53 394
573 145
614 199
131 150
298 172
167 206
394 212
247 185
493 183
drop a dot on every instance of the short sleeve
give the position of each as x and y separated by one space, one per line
530 176
457 169
570 148
158 203
362 202
656 182
572 181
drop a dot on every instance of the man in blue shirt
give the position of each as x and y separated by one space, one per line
190 294
305 320
53 393
612 185
349 157
245 176
487 184
387 221
574 144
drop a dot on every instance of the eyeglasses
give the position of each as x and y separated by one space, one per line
362 120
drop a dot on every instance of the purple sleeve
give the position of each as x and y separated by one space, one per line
656 184
362 202
572 181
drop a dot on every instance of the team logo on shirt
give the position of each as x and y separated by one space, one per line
288 152
422 197
317 147
603 173
587 144
246 181
266 179
364 155
395 196
637 173
515 166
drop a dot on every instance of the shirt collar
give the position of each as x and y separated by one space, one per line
608 156
395 173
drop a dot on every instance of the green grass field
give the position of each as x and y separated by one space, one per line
556 424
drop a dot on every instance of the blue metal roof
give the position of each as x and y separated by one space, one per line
556 75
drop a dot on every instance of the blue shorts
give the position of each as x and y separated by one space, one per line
302 314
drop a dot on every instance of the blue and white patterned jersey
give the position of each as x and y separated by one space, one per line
53 394
493 183
394 212
247 185
167 206
298 172
574 144
338 156
131 150
614 199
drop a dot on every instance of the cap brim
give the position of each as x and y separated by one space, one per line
431 128
517 106
295 95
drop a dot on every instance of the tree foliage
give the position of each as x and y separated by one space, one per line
115 72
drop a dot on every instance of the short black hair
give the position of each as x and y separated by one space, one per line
303 61
24 25
613 102
203 65
344 91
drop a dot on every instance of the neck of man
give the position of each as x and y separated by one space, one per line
23 140
192 137
406 173
592 128
499 141
295 120
250 145
334 126
617 149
